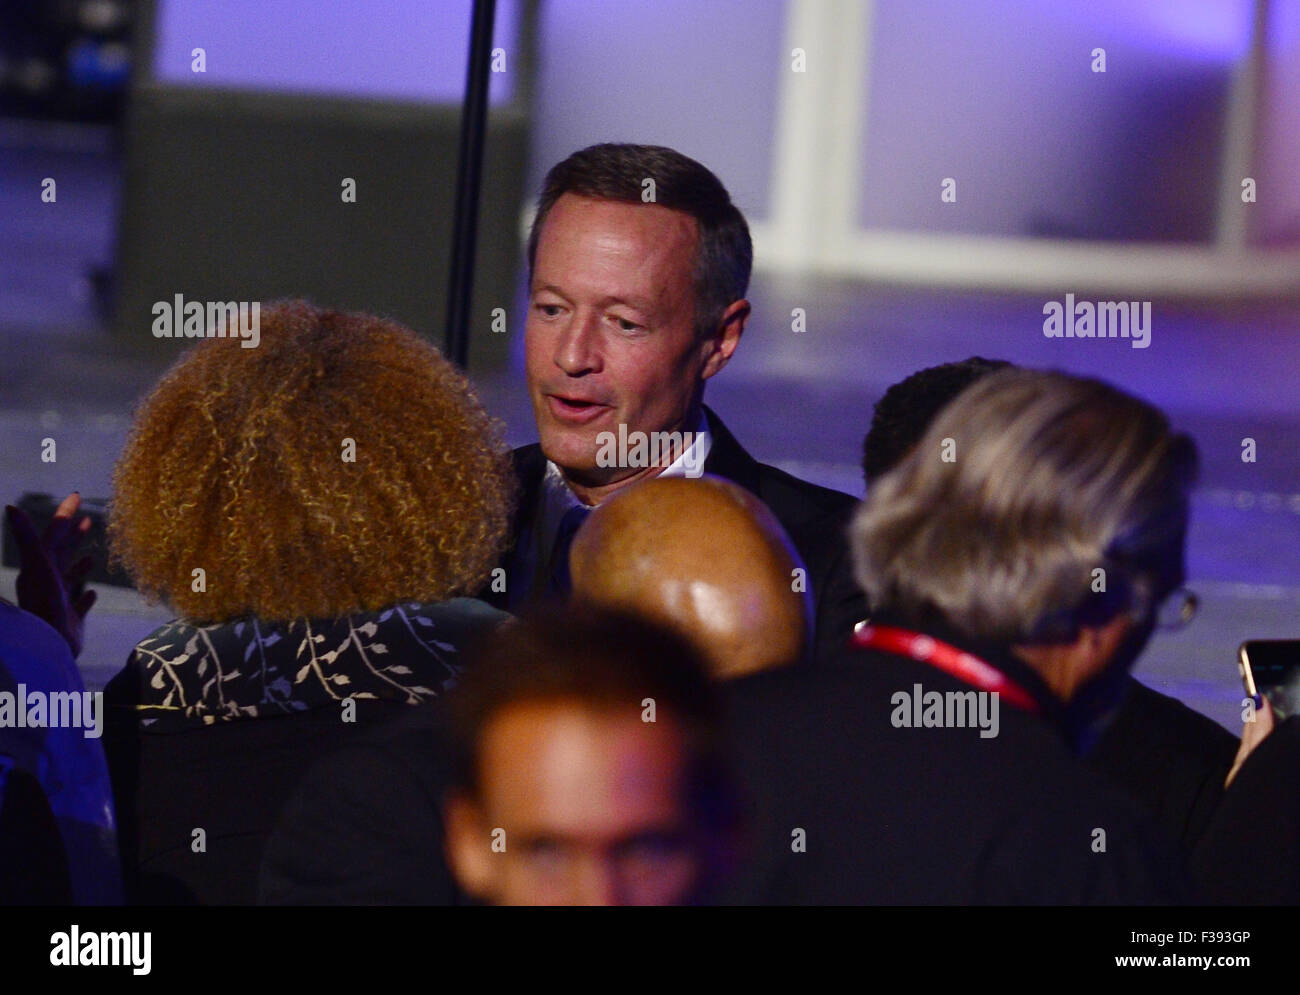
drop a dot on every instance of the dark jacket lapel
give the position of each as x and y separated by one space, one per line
529 467
728 458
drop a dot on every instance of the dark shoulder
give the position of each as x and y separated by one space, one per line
1166 722
449 625
784 692
776 487
169 635
1014 822
167 642
529 461
792 499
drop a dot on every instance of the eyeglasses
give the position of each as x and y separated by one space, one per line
1177 609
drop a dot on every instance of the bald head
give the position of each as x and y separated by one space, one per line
703 556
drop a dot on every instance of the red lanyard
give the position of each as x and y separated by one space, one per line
959 663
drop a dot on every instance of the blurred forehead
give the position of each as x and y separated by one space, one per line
563 768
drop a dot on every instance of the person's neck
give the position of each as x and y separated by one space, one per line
592 494
1066 667
1054 665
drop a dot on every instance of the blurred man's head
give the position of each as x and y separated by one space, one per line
1039 511
704 557
908 407
638 264
588 767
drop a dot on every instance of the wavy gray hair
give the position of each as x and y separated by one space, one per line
1022 487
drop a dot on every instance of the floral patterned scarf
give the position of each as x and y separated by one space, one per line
185 674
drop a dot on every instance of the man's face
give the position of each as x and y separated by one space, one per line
610 336
591 804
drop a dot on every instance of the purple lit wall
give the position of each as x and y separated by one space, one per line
701 77
995 93
1278 166
379 49
1000 95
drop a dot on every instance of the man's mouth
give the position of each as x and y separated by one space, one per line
575 410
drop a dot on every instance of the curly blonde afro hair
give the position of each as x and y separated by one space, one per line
237 464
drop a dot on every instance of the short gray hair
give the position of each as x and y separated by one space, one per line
1024 485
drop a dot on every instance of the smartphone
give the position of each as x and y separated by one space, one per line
1271 667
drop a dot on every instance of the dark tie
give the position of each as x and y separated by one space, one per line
559 584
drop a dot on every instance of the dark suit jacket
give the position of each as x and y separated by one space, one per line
33 863
228 779
364 826
922 816
1170 759
1250 853
815 518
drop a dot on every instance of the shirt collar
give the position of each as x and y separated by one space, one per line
695 454
557 498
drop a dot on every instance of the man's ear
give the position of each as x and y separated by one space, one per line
722 343
467 845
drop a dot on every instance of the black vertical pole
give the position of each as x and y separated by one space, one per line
469 174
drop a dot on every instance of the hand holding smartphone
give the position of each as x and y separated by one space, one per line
1271 667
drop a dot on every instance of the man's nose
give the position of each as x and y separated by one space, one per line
577 349
598 882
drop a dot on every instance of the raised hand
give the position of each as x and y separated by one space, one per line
1252 734
50 584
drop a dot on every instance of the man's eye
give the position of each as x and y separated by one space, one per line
545 852
550 310
627 326
653 848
